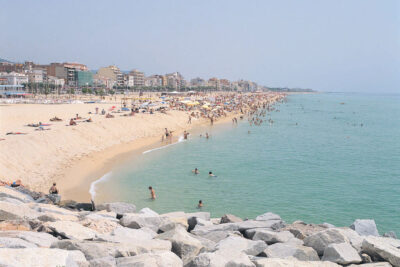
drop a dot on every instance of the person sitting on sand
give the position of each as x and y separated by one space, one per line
195 171
72 122
200 205
103 112
152 193
89 120
77 117
211 174
108 116
16 183
53 190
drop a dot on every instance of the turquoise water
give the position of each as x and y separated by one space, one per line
326 168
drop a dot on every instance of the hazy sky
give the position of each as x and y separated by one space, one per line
337 45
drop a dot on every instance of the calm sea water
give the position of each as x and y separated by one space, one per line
326 158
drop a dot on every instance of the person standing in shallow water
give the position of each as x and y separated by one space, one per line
200 205
152 193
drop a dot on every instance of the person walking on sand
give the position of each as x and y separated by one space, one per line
152 193
190 120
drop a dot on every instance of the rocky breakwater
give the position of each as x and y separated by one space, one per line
115 234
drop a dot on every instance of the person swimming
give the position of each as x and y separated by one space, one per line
152 193
195 171
200 205
211 174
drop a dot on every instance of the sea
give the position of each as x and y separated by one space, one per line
327 157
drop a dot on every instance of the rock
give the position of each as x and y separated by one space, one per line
100 226
117 207
375 264
10 211
9 242
192 218
365 227
52 217
215 220
137 221
251 224
384 248
70 230
239 244
39 257
38 239
19 225
327 225
366 258
321 240
54 198
282 250
183 243
202 222
229 218
354 238
157 259
11 200
14 194
301 230
51 209
216 236
173 222
275 262
102 215
270 237
103 262
268 216
342 253
390 234
221 258
126 235
148 212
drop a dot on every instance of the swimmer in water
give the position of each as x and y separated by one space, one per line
152 193
195 171
200 205
207 136
211 174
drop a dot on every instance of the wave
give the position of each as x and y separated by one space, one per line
180 140
92 189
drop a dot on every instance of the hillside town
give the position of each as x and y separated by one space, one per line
21 79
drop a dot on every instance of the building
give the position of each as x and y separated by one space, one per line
225 84
83 78
175 80
11 67
214 82
56 81
112 73
198 82
35 76
14 78
154 81
66 71
138 78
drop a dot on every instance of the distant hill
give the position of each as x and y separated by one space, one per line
4 60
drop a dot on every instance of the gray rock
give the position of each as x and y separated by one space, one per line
203 230
251 224
157 259
275 262
354 238
384 248
137 221
8 192
229 218
327 225
365 227
216 236
183 243
11 200
320 240
10 211
117 207
70 230
271 237
236 244
268 216
301 230
54 198
126 235
39 257
375 264
10 242
282 250
192 218
366 258
221 258
148 212
342 253
38 239
103 262
390 234
102 215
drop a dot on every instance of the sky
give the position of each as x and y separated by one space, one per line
330 45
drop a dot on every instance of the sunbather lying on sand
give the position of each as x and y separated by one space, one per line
17 183
14 133
55 119
42 129
72 122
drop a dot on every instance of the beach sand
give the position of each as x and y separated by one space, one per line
74 156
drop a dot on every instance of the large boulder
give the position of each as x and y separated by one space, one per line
283 250
155 259
10 242
70 230
251 224
390 234
117 207
320 240
203 230
342 253
148 212
216 236
374 264
229 218
365 227
301 230
192 218
354 238
275 262
221 258
19 225
38 239
39 257
270 237
235 244
137 221
268 216
14 194
100 226
183 243
102 215
126 235
103 262
384 248
10 211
